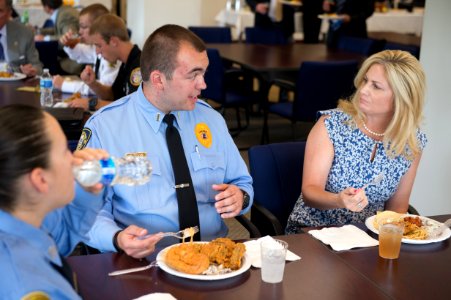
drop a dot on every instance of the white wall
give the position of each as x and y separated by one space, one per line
432 190
144 16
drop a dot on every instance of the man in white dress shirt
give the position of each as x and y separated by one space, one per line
83 52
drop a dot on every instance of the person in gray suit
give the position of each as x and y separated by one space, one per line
18 43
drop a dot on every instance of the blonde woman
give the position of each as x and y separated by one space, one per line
376 131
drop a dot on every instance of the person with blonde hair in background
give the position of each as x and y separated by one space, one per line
376 132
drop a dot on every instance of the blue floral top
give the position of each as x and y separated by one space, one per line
352 167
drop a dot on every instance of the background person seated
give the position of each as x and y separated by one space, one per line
110 36
65 18
83 51
17 44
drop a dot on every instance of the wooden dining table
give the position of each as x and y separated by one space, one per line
70 119
421 272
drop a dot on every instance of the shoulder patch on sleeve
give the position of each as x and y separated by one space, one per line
135 77
36 295
84 138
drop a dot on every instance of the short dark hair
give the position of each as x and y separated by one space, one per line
94 10
162 46
110 25
24 145
53 4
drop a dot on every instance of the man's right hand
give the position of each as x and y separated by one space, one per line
128 241
88 75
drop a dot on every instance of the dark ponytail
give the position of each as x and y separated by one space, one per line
24 145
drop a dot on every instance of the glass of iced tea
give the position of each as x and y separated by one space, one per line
73 40
390 236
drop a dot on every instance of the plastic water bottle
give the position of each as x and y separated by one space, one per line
46 85
129 170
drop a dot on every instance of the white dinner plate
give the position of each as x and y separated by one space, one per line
245 265
17 76
445 235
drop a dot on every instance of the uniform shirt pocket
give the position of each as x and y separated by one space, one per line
209 168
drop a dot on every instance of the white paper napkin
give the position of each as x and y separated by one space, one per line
157 296
344 238
253 250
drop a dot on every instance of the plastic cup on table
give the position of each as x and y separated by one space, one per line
390 236
273 254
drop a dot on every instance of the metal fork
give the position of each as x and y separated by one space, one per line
376 180
131 270
181 234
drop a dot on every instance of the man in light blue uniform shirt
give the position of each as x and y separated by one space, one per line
173 64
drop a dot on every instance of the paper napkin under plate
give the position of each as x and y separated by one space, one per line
253 251
344 238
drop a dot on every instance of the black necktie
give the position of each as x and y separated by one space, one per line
2 52
186 197
97 67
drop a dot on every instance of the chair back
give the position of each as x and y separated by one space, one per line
48 53
256 35
365 46
276 170
211 34
320 85
412 49
214 77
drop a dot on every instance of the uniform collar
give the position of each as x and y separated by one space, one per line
37 237
153 115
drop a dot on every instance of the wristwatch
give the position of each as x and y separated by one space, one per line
246 199
93 103
115 244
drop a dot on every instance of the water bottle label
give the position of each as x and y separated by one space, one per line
108 170
46 83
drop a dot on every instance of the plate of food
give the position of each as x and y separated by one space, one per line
7 76
219 259
417 229
330 17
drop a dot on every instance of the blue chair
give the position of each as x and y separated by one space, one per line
319 86
277 173
365 46
210 34
257 35
48 53
227 96
412 49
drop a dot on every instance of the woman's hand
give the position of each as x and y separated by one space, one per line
353 199
79 156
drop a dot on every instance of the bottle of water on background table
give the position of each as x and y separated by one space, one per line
46 86
129 170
